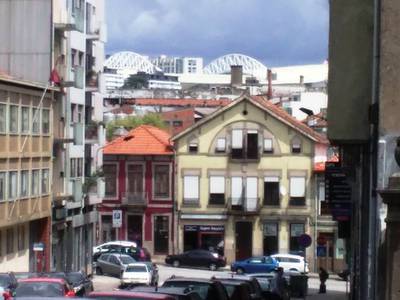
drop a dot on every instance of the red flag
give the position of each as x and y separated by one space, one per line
54 77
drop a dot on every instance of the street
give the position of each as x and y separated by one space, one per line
336 290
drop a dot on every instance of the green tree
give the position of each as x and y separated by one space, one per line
133 122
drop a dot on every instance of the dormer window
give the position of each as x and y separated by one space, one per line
268 147
221 145
296 145
193 147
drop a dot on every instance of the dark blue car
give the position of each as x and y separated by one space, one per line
259 264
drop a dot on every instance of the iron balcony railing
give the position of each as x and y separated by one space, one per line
134 199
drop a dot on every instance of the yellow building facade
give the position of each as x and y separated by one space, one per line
244 181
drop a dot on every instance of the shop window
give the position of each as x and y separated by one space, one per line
110 177
135 180
161 181
296 230
217 190
221 145
270 242
297 191
268 148
25 119
10 240
271 190
13 123
24 183
35 183
191 189
12 184
296 145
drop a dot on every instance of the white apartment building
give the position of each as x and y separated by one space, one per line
179 65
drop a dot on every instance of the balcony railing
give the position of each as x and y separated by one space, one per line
244 205
137 199
244 154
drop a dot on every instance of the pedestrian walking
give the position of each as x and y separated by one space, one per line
323 277
278 285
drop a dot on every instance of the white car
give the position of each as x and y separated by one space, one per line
109 246
290 262
136 273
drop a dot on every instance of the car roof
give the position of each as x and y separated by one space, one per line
190 279
118 254
233 277
165 290
128 294
43 279
120 243
287 255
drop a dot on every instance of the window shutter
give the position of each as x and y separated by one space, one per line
297 186
267 144
236 190
217 184
237 139
221 144
191 187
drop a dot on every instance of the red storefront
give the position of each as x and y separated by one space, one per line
138 170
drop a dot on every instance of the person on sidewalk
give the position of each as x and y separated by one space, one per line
323 277
279 285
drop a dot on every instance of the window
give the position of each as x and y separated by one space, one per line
21 237
12 184
3 114
25 122
237 143
271 190
35 183
73 168
110 176
135 180
217 190
193 147
35 120
79 167
297 191
161 181
296 230
268 146
10 240
24 183
244 144
221 145
237 191
13 119
45 181
252 144
73 113
80 114
45 121
271 240
191 189
296 145
2 186
177 123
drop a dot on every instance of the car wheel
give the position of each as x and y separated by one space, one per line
99 271
239 270
176 263
213 267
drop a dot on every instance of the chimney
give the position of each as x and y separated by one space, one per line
269 79
301 79
236 75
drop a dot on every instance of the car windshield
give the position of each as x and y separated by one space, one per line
200 288
5 280
127 260
39 289
136 269
74 277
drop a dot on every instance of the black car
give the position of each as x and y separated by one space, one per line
237 290
8 282
178 293
206 288
81 283
197 258
255 288
137 253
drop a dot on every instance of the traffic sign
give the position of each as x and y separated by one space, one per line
38 247
305 240
117 218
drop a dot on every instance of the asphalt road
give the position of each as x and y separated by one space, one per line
336 290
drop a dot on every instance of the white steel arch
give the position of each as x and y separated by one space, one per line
222 65
131 62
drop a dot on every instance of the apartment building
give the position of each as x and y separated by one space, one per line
79 37
244 181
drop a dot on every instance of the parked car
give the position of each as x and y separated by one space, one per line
197 258
207 289
237 290
266 283
61 275
106 247
137 253
255 288
113 264
177 293
129 295
136 273
43 287
290 262
256 264
80 282
8 282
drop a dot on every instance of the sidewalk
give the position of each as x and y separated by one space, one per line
313 294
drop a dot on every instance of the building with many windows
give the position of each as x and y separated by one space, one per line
244 181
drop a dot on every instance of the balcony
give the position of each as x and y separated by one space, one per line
134 199
77 193
91 133
244 205
96 191
78 76
247 155
92 81
78 133
96 31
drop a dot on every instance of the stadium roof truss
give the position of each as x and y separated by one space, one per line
132 61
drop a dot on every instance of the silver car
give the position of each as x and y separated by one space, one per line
113 264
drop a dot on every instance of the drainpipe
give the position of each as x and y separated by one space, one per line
175 214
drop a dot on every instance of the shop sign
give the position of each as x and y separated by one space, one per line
38 247
204 228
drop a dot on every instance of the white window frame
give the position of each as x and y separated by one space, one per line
49 121
35 193
9 119
28 130
237 139
268 145
220 144
292 182
38 120
14 186
48 182
5 120
27 184
5 182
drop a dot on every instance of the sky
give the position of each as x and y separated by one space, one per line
276 32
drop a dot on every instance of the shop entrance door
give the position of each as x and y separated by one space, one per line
244 239
161 234
135 229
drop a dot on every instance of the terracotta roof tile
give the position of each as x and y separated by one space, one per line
142 140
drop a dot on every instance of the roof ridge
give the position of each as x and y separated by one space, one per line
147 128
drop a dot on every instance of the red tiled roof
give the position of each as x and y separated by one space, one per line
178 102
142 140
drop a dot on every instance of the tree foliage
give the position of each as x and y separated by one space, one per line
134 121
